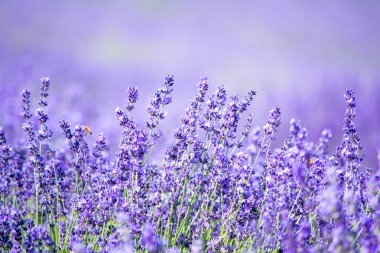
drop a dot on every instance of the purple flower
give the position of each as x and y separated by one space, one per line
161 98
45 84
66 129
100 145
133 96
26 105
273 122
149 240
3 140
218 187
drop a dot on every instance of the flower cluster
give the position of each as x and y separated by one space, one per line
221 186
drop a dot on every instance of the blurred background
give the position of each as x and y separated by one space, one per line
300 55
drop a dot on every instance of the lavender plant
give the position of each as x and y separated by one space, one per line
218 188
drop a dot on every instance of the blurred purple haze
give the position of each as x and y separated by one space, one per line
300 55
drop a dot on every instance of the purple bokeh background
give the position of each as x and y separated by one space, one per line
300 55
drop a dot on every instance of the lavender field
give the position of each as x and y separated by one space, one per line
110 141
